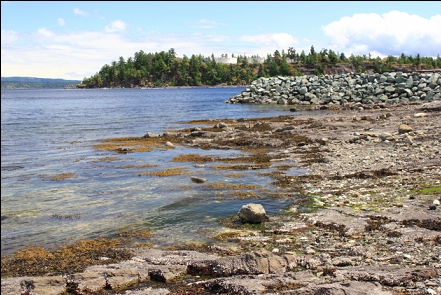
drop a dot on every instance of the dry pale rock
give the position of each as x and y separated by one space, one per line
403 128
252 213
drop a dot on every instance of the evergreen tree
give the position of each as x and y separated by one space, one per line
333 58
343 57
261 72
303 57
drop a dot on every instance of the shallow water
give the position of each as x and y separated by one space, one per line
49 132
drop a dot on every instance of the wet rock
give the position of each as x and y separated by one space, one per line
122 150
198 179
198 133
220 125
150 135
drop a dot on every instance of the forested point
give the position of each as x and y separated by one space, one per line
165 69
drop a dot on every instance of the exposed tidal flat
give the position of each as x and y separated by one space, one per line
57 186
351 191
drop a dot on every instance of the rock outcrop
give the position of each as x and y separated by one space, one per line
258 272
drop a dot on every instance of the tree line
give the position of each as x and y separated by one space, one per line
37 85
162 69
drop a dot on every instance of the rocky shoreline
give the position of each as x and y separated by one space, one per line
367 88
372 190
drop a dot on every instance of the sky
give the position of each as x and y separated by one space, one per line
75 39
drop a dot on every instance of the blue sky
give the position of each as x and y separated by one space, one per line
74 39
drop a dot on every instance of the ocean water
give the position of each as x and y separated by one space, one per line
45 133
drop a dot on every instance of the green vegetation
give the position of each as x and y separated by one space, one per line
166 69
436 190
36 83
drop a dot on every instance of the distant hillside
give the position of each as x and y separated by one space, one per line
31 83
32 79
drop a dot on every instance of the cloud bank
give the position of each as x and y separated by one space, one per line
391 33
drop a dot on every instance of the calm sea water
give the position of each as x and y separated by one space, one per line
48 132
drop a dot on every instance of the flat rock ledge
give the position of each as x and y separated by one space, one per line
258 272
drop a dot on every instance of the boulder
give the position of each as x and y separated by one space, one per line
252 213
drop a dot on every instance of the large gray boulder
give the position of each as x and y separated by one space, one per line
252 213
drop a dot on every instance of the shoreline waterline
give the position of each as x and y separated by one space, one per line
50 167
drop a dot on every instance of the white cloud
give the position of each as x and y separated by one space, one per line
77 54
43 32
61 21
278 40
391 33
116 26
80 12
207 24
9 37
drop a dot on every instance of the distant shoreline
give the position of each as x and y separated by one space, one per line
143 88
178 87
171 87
